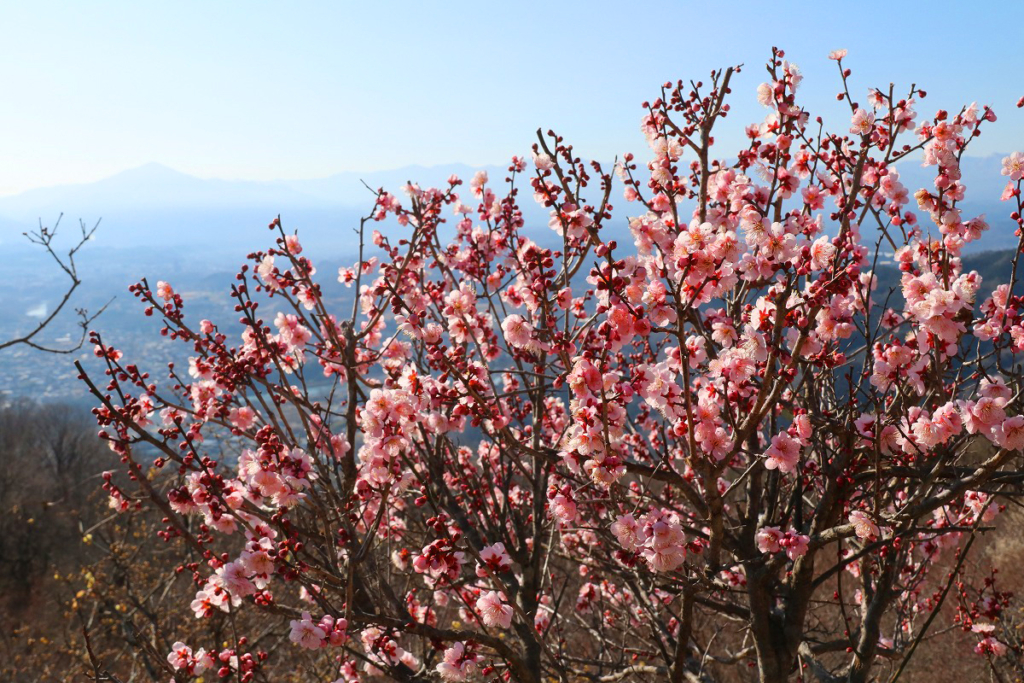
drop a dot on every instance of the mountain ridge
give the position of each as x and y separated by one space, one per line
154 205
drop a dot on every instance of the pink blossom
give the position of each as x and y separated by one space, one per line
1009 192
1013 166
234 579
543 161
493 609
795 544
625 529
862 122
768 539
477 183
180 656
517 331
984 414
307 634
1011 433
990 646
802 425
665 544
458 663
242 417
563 508
495 560
863 526
203 604
266 270
783 454
164 290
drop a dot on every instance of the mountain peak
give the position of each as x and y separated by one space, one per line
151 171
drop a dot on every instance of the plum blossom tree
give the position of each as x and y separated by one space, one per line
717 450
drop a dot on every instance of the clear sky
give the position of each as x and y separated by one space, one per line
261 90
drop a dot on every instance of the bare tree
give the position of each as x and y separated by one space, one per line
45 238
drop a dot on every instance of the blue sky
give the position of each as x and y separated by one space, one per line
260 90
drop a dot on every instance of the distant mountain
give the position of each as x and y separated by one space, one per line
155 206
152 186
